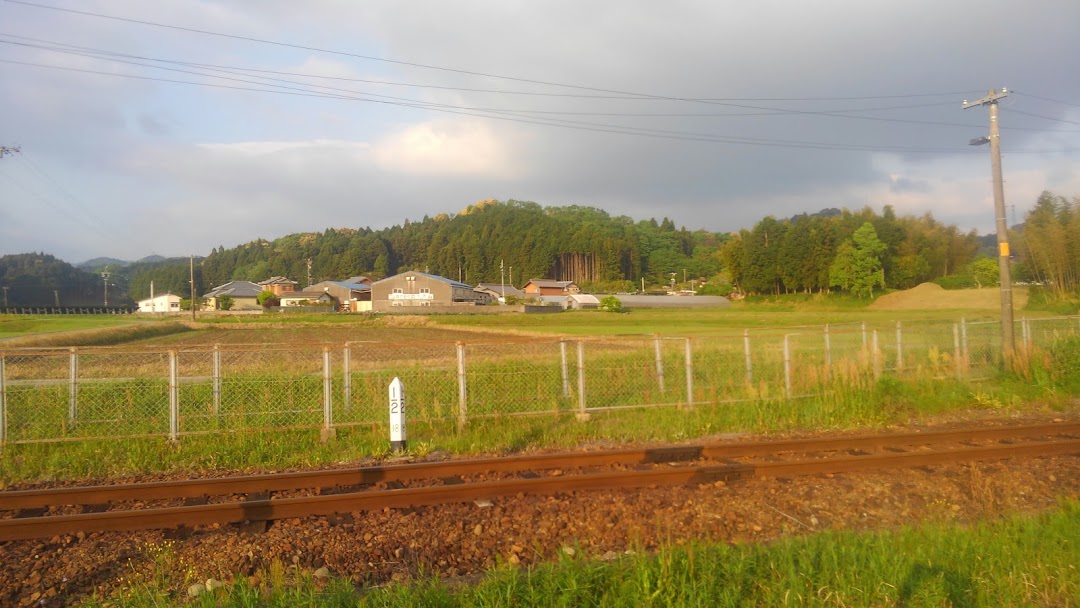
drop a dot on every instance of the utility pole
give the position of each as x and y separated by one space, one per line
309 271
502 279
5 295
191 275
105 278
1008 339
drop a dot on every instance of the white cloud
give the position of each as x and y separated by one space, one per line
447 149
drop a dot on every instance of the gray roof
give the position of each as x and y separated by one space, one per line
430 276
551 283
499 288
236 289
643 301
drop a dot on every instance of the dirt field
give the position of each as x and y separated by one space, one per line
931 296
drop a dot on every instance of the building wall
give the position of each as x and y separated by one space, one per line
413 290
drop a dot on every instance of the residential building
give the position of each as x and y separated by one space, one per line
498 290
349 295
307 298
244 295
548 287
278 285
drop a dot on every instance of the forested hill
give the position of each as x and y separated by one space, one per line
589 246
583 244
39 279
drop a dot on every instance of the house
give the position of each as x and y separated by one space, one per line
498 290
312 297
350 296
548 287
278 285
244 295
421 289
166 302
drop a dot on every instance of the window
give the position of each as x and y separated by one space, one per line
399 290
425 290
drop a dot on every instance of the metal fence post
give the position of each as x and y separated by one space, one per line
899 347
689 373
346 389
746 353
73 387
3 403
565 373
876 356
174 398
217 380
582 413
787 367
659 363
956 351
462 396
328 432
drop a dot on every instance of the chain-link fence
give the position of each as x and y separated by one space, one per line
81 393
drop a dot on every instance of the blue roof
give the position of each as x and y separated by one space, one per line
352 286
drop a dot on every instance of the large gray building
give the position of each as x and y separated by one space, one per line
421 289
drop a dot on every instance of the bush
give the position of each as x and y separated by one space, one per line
611 304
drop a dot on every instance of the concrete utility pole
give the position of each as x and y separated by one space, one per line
105 278
191 274
1008 340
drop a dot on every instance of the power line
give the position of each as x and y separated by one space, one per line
507 116
1050 118
496 91
379 59
1064 103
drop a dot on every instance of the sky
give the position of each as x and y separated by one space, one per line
173 127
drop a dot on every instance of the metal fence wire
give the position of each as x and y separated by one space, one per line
66 394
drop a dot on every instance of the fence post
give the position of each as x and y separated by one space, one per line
876 356
565 373
746 352
582 414
1025 325
462 396
346 389
659 363
787 367
217 379
689 373
964 343
3 403
73 387
828 353
864 335
328 431
899 348
174 398
956 351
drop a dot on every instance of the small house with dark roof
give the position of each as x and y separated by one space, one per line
361 280
419 289
548 287
312 297
244 295
278 285
498 290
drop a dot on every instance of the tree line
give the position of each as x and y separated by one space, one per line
859 252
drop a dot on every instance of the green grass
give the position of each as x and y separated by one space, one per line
12 326
1024 560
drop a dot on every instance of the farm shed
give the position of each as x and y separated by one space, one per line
421 289
166 302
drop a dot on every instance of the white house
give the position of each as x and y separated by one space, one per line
164 303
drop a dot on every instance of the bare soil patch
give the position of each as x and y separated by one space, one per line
931 296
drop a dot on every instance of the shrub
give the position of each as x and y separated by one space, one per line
611 304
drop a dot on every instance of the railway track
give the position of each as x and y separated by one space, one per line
50 512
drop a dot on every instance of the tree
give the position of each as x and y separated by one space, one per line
857 266
985 272
267 298
225 302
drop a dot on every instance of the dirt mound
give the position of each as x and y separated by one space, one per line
931 296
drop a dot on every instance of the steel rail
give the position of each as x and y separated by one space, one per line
327 478
273 509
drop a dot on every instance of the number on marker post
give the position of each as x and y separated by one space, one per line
397 415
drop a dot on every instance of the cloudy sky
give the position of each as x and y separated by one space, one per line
173 126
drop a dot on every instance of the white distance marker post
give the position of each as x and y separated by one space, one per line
397 415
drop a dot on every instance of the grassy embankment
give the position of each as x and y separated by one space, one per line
1025 560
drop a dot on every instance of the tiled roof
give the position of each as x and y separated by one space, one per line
236 289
